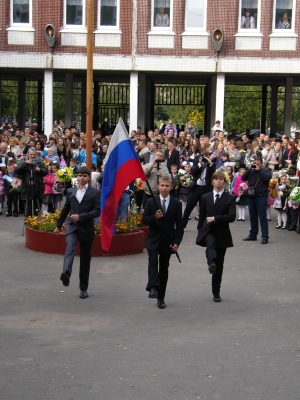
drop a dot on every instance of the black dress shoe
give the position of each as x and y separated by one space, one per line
264 241
153 294
249 238
217 298
161 304
212 267
291 229
83 294
8 214
278 227
65 278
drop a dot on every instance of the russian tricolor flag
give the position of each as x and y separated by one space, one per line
122 166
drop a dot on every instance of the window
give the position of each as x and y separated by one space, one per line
249 15
74 13
195 14
20 12
108 13
284 15
161 14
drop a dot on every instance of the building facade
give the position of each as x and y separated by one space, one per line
149 42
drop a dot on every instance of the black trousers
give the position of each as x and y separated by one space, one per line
158 272
193 199
218 256
12 199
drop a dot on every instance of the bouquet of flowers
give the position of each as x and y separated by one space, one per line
20 158
284 190
242 190
58 187
15 185
272 187
185 179
294 199
64 174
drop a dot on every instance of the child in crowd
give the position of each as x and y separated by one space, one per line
74 168
2 190
175 181
230 173
280 202
184 188
48 189
242 203
13 196
58 188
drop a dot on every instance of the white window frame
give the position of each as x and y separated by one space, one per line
108 27
75 27
194 28
284 32
161 28
249 32
20 24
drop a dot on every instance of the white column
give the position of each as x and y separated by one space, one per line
134 88
48 101
220 93
68 99
142 102
212 96
288 106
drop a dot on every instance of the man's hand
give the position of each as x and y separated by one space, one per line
37 169
174 247
75 217
158 173
210 220
56 231
159 214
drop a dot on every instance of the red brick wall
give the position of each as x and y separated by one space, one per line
221 13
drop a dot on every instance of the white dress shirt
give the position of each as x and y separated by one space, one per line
80 193
219 193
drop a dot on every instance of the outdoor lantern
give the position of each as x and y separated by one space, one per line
50 34
217 39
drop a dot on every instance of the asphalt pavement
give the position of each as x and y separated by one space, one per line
118 345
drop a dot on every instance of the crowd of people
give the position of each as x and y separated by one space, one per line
219 174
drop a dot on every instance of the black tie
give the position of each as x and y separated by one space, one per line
163 206
217 200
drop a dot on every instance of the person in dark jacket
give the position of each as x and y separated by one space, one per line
258 176
217 210
32 195
163 239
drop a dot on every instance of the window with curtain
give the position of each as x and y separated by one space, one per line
21 11
74 12
248 14
283 14
161 13
108 12
195 12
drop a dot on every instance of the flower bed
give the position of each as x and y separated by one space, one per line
127 240
122 244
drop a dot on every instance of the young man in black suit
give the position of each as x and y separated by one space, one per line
164 237
83 206
217 210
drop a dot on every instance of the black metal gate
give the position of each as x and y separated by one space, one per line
113 102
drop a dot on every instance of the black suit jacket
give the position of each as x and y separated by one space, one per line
224 213
196 171
88 209
163 233
172 159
